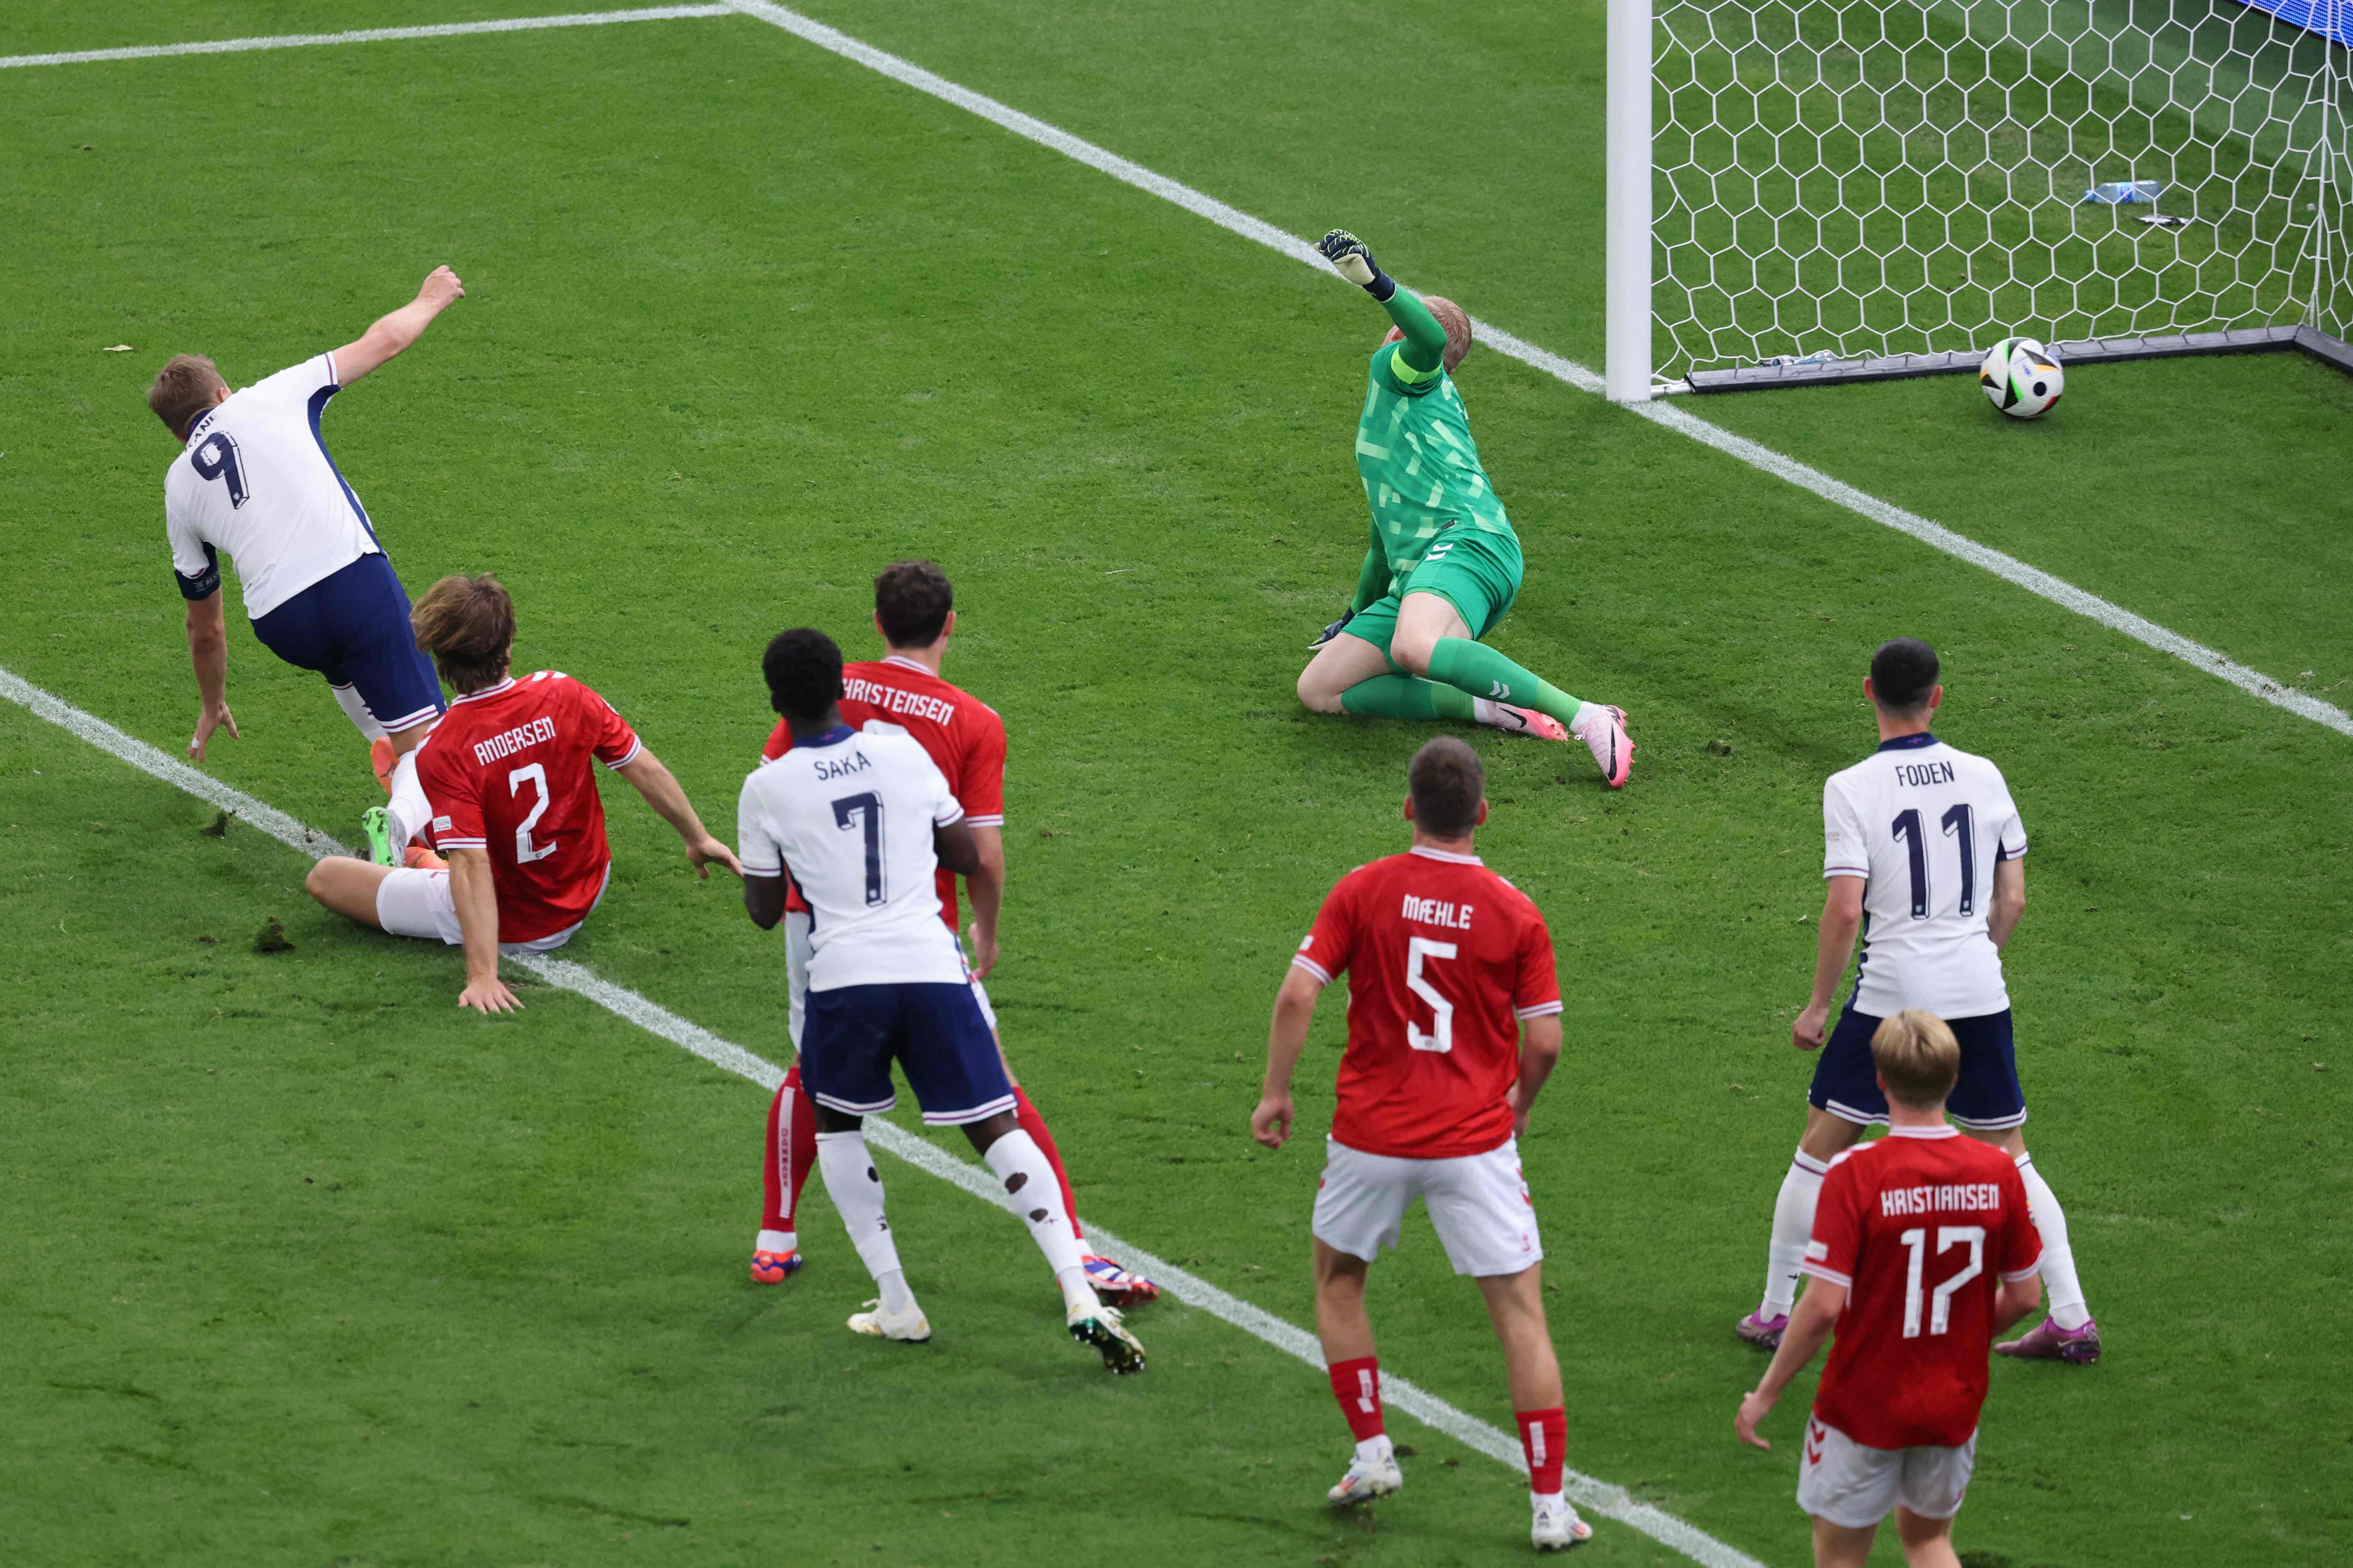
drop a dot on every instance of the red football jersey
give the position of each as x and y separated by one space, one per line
1918 1226
1443 958
507 772
963 735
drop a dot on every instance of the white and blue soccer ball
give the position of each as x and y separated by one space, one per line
2021 378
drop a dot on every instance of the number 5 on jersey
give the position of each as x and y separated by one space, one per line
1418 949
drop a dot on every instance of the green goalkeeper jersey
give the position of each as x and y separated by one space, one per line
1419 465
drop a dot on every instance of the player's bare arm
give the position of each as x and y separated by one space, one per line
1809 1328
390 335
2008 901
663 790
476 897
763 900
986 887
1295 1007
1833 946
1539 1054
956 847
208 651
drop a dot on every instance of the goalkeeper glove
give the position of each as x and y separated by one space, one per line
1334 629
1351 261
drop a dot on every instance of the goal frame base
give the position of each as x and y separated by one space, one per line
2082 350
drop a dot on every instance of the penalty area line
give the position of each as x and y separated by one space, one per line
1764 460
367 36
1596 1496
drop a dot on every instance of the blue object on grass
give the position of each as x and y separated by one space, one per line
2117 193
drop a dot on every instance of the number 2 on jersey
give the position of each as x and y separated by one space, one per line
1940 1299
1418 949
525 850
1960 824
867 806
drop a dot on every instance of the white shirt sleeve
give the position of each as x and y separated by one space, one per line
195 562
294 386
945 810
755 843
2009 844
1844 851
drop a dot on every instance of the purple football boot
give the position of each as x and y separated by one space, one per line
1763 1332
2077 1347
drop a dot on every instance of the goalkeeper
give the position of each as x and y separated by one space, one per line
1444 564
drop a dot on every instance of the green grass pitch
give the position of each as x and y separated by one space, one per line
305 1269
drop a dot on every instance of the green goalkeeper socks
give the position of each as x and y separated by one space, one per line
1479 671
1403 697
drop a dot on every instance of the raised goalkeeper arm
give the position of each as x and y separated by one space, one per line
1373 582
1425 339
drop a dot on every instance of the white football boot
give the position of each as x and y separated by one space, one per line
1556 1528
1603 730
1367 1480
909 1326
1101 1327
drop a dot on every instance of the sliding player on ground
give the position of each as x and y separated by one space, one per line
1910 1238
1444 564
1446 962
511 783
1924 853
253 477
863 823
915 609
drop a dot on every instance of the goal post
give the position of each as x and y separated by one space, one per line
1806 191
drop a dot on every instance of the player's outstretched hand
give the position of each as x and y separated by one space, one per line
487 996
441 289
1271 1122
710 853
1810 1029
1334 630
1349 258
210 720
984 952
1753 1407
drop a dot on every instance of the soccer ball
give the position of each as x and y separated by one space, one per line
2021 378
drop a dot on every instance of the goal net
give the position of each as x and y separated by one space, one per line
1842 189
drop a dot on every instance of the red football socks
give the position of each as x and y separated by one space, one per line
792 1152
1357 1385
1034 1125
1543 1434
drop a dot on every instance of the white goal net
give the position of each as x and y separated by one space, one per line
1848 181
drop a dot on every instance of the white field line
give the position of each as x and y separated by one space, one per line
1763 458
367 36
1596 1496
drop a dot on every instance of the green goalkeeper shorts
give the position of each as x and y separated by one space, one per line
1476 572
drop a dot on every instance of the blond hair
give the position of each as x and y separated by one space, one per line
1457 323
1917 1058
185 388
468 625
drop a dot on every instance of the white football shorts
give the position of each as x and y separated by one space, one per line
1842 1481
798 948
1478 1203
417 903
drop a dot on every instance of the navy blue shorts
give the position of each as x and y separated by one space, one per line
1987 1096
352 627
851 1034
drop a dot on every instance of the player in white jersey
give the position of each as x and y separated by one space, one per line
253 479
863 823
1924 854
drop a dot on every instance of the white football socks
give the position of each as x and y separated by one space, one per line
1377 1449
856 1189
776 1241
2063 1290
1793 1226
1038 1198
410 812
348 699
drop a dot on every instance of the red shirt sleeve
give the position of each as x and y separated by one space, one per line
2020 1248
612 741
980 783
1836 1240
1329 945
1537 990
780 740
449 789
